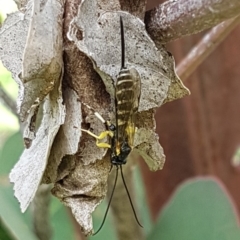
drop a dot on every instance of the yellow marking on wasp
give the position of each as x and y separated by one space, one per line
131 129
122 101
101 136
120 112
124 81
120 122
124 90
118 148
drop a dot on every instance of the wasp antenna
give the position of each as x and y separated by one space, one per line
109 203
122 43
129 197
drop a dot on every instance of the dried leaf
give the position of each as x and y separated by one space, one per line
177 89
68 137
42 68
27 173
41 75
13 36
146 141
147 145
101 35
22 4
82 188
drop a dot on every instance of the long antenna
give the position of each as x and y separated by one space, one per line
109 203
122 43
129 197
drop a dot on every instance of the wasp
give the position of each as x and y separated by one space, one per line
121 134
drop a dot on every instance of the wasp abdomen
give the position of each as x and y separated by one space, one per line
124 96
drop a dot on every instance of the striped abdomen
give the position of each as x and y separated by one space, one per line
125 98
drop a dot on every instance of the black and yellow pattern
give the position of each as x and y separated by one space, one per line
127 94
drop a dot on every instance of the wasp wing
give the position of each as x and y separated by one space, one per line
130 129
128 89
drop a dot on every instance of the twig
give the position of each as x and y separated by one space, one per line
8 101
175 19
205 47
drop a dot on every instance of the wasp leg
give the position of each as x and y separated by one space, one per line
98 115
107 123
101 136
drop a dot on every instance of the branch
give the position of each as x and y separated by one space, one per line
8 101
175 19
41 218
205 47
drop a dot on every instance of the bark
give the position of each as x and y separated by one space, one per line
205 47
175 19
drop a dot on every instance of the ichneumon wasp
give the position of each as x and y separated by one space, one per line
127 95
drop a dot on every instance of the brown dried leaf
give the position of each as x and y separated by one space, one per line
147 145
82 188
177 89
146 141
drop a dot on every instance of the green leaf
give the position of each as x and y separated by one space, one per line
4 234
20 225
108 229
10 153
141 200
17 223
199 210
61 222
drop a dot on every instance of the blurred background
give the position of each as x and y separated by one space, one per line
196 195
